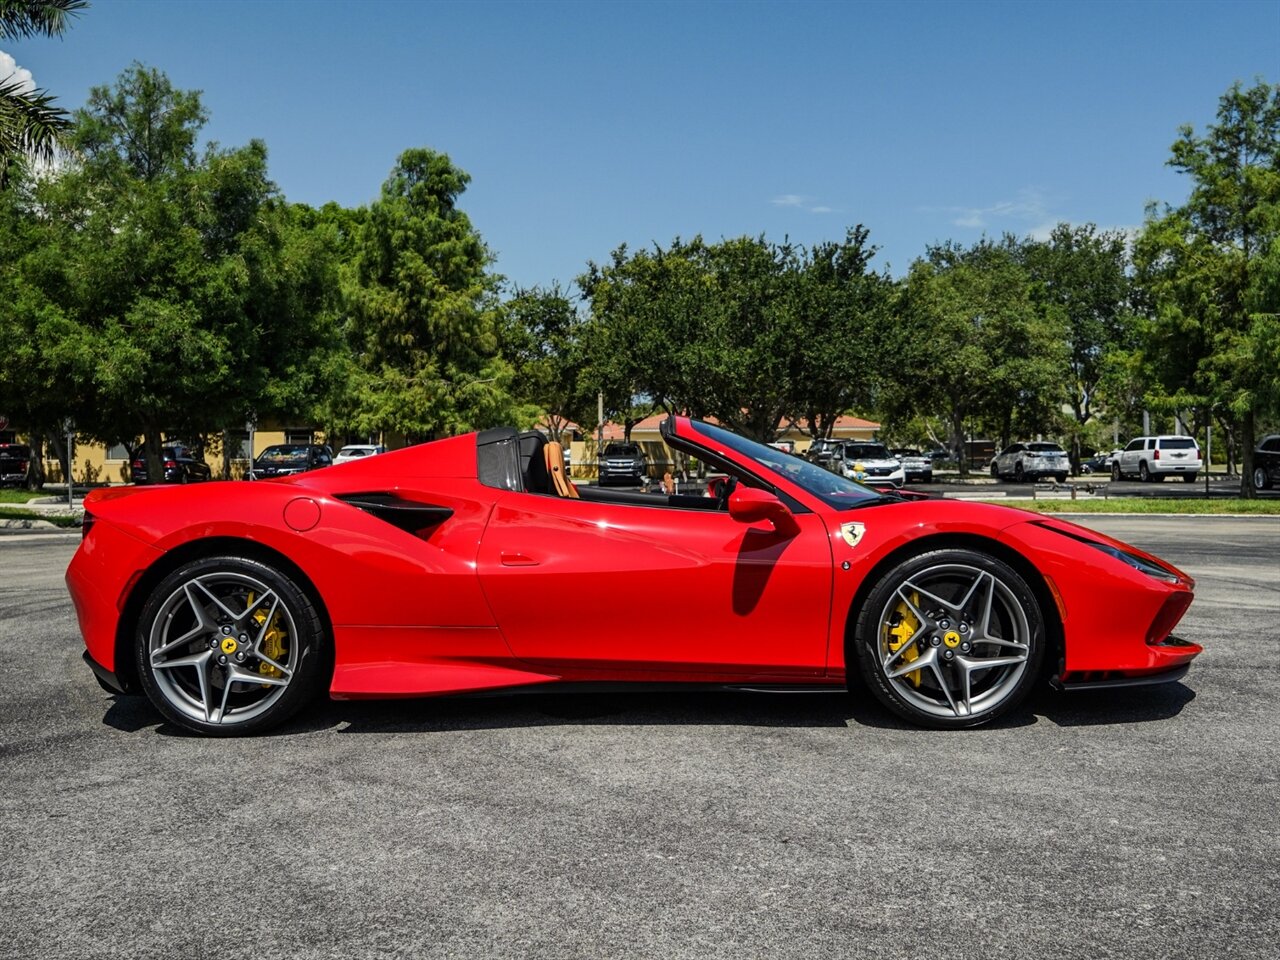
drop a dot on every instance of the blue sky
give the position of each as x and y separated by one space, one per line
586 125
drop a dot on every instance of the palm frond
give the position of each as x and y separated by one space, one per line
30 124
27 18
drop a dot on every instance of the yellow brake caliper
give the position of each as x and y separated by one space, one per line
272 643
900 636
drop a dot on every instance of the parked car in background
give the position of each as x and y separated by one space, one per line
786 446
357 451
1099 462
285 459
1266 462
15 464
820 450
1031 461
1154 458
915 465
623 463
180 466
868 463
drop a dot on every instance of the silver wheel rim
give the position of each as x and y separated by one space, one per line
953 641
1259 478
223 648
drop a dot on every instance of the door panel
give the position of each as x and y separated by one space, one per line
593 584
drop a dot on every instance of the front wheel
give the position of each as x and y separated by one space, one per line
228 646
950 638
1260 479
1115 471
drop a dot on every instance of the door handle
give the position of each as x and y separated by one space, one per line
516 560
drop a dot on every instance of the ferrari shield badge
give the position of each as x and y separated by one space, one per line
852 533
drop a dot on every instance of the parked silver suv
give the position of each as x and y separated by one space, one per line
1154 458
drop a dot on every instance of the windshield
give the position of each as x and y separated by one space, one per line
621 450
284 455
833 490
865 451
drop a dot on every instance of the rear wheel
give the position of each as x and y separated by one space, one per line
1188 478
1115 471
1143 473
1260 479
228 646
1060 477
1017 473
950 638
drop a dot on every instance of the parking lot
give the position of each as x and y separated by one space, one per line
1129 824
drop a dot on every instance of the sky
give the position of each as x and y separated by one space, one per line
592 124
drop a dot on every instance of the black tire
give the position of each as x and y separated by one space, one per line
1143 473
1115 471
1060 477
1018 475
1015 631
1189 478
263 625
995 470
1260 479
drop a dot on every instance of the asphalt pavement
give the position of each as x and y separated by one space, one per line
1135 824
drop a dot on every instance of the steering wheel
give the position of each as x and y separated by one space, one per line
726 487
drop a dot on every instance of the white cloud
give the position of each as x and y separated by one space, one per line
10 71
797 201
1028 207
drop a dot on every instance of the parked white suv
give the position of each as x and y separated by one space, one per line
868 463
1154 458
1031 461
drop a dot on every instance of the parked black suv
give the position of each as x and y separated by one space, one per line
623 463
820 450
283 459
15 464
1266 462
179 466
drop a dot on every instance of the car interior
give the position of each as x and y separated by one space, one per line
527 463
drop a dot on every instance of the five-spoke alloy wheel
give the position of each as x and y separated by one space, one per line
950 638
229 646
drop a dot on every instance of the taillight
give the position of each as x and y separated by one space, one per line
169 464
86 524
22 465
138 465
1156 454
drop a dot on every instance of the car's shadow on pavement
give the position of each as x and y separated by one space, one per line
715 708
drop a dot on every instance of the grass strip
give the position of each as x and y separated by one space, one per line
20 496
11 513
1217 505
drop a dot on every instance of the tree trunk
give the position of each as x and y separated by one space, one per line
155 460
957 439
1247 442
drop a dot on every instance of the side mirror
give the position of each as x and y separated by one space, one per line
751 504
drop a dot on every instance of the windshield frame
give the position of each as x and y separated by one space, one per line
831 489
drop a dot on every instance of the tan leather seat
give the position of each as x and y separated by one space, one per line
562 485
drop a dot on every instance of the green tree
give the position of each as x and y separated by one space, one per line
167 291
1081 284
542 340
747 331
972 347
424 310
30 124
1209 268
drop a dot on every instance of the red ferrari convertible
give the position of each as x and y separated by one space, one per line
473 563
